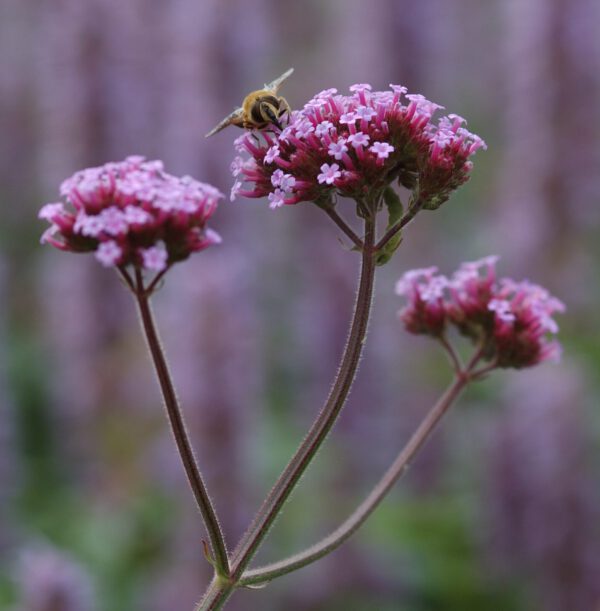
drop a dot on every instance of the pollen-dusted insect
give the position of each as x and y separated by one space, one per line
260 109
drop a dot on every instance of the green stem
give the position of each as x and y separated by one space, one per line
218 593
178 428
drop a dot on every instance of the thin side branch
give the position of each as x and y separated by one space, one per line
410 214
339 221
452 354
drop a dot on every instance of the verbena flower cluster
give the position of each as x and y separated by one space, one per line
355 145
512 319
132 212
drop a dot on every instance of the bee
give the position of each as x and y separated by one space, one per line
260 109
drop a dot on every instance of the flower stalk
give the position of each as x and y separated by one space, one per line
178 428
341 223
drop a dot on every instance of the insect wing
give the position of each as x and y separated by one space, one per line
274 85
232 119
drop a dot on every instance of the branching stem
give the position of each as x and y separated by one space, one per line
219 591
371 502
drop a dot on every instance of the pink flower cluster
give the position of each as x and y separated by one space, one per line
512 319
132 212
355 146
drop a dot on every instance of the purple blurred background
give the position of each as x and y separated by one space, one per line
501 511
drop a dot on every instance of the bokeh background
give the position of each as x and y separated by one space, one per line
501 510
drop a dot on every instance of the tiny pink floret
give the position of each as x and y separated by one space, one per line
109 253
358 139
276 199
337 149
329 173
381 149
155 258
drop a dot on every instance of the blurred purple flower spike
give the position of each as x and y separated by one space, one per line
48 580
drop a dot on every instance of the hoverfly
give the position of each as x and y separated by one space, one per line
260 109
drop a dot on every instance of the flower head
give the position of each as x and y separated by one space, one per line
132 212
375 137
512 320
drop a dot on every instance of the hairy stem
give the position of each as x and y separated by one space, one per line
178 428
218 593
